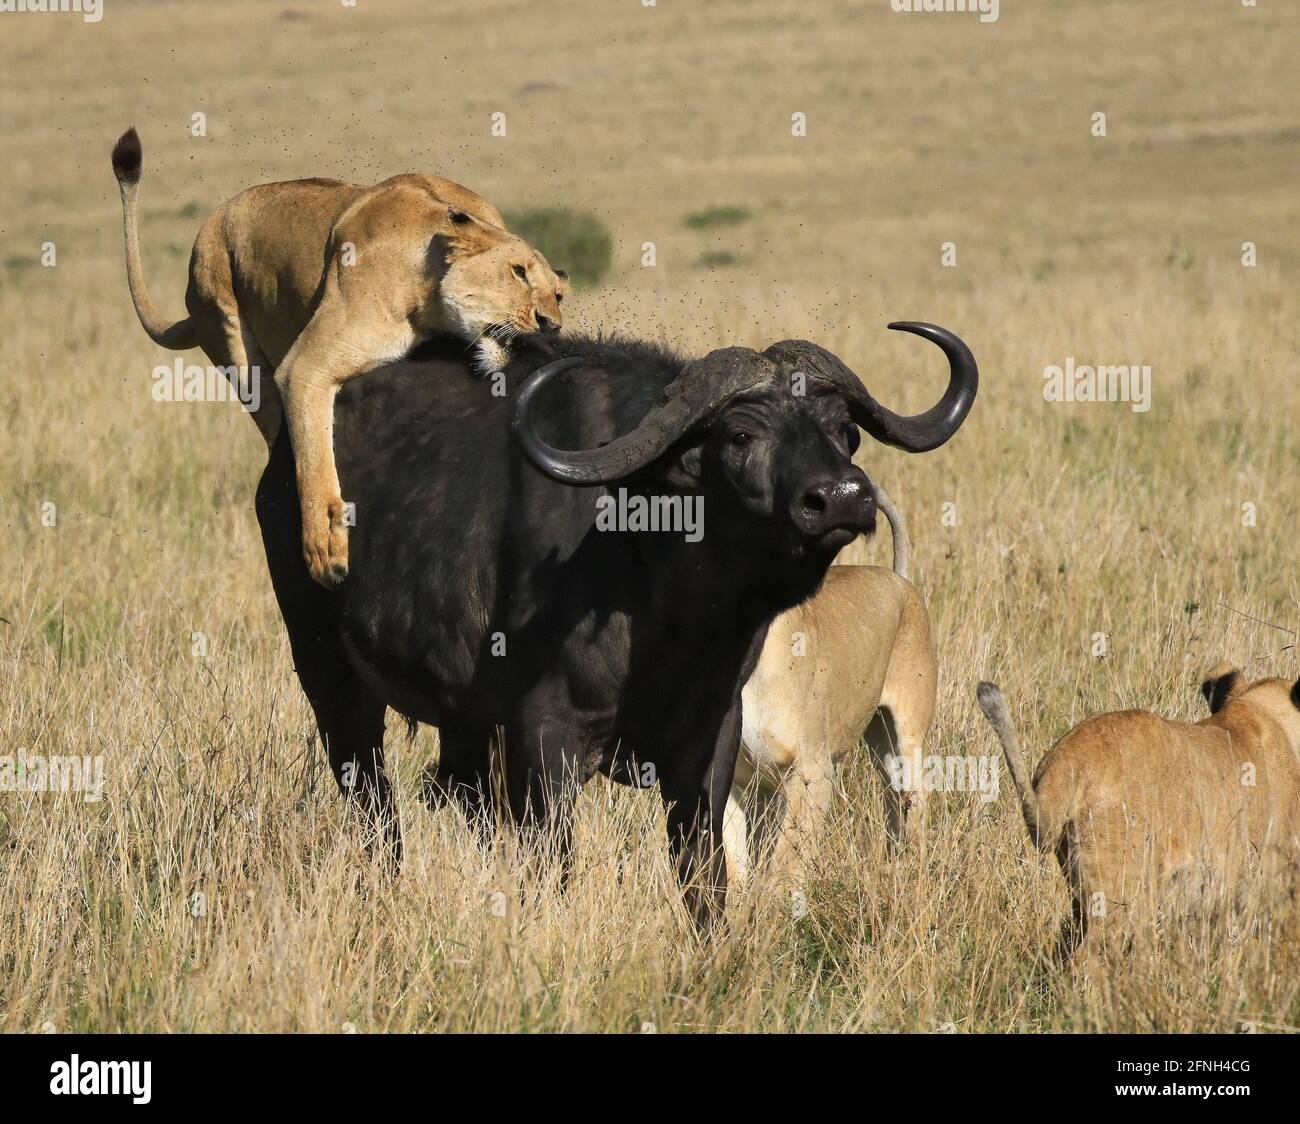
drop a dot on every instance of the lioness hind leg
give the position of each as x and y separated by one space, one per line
227 345
899 762
905 713
270 411
219 331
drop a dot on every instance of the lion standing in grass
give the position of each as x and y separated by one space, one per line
1141 810
322 280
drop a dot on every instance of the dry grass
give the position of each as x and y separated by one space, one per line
1072 520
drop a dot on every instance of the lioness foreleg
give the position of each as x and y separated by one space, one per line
308 393
350 332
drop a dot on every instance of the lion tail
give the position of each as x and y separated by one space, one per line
128 161
897 530
994 705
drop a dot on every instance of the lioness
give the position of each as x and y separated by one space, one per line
322 280
854 661
1135 806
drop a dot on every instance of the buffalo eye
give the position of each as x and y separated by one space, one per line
521 272
740 438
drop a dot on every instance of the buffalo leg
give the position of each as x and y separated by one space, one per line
350 719
463 774
541 782
349 715
351 725
696 800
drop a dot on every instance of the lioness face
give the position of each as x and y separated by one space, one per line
502 290
550 287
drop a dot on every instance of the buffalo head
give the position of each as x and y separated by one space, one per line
767 437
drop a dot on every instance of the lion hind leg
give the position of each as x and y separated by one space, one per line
219 329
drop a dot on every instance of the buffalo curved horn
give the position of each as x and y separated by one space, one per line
916 434
705 385
702 387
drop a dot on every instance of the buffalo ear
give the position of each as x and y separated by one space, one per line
678 468
1222 684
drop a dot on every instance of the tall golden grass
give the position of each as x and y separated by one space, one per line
216 886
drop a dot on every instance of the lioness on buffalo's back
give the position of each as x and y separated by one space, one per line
321 280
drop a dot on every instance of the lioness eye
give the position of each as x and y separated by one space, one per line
559 298
521 273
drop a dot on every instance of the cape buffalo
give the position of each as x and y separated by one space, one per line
487 597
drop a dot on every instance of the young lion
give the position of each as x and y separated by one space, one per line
1140 810
322 280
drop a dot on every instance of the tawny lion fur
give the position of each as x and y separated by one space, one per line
1135 807
855 660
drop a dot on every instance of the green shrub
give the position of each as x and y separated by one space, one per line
575 241
717 216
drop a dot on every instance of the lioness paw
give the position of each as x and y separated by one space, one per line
325 545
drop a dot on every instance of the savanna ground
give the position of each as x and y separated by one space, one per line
141 626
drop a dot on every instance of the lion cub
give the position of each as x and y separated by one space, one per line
1135 806
322 280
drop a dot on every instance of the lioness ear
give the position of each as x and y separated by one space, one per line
469 235
1223 683
1295 694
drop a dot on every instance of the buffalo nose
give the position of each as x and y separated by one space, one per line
846 503
546 324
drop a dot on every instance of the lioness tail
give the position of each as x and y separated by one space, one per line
128 161
994 705
898 531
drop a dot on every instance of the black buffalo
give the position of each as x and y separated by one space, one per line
484 597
